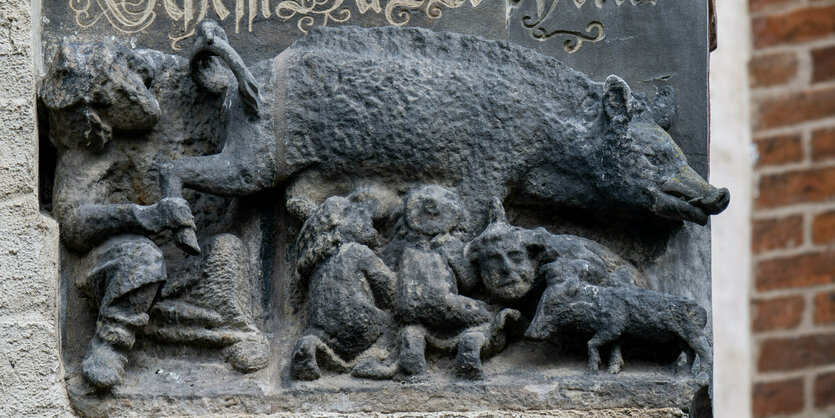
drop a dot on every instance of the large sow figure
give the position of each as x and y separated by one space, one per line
397 105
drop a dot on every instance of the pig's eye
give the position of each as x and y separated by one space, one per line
653 158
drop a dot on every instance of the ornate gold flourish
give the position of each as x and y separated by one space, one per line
128 16
594 31
308 10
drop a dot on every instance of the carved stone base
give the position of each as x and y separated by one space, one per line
154 387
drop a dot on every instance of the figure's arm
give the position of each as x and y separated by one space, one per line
465 274
382 280
89 224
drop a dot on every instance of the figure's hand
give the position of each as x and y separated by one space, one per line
175 214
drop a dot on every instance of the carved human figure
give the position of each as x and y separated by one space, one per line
431 270
215 310
90 91
512 261
348 285
513 264
581 285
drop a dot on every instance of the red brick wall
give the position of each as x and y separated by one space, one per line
792 75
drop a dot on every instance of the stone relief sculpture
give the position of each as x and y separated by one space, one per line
348 286
535 128
92 91
395 149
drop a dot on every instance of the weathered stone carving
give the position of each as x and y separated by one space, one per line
348 286
369 103
215 310
396 149
589 289
572 303
92 91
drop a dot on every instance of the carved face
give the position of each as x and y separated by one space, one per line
508 269
92 89
433 210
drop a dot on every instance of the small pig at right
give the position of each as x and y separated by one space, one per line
570 302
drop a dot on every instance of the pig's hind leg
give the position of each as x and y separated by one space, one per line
615 359
699 344
599 339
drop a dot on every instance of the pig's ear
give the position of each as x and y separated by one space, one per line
618 102
663 107
495 211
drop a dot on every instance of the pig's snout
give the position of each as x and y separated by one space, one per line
536 331
715 203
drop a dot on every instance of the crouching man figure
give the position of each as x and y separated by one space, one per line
90 91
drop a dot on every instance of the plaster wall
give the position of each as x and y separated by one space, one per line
731 166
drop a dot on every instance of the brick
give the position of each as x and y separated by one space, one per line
778 150
772 69
777 313
823 228
783 354
823 144
825 308
783 397
757 5
790 108
780 189
774 234
793 27
795 271
825 390
823 64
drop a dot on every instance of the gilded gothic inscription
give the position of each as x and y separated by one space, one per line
133 16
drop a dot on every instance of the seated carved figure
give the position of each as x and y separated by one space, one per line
90 91
431 269
215 310
347 286
105 122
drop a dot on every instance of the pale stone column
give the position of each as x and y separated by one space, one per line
31 375
731 167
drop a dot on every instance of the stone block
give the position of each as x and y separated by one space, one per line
19 146
29 254
30 370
